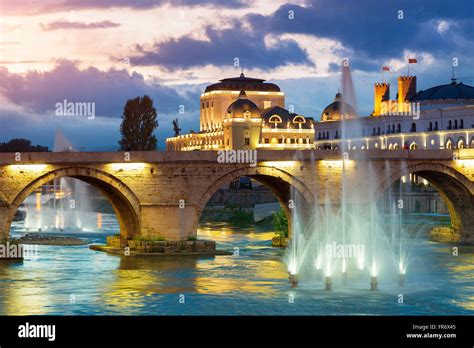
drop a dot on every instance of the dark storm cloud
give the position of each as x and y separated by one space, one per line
79 25
40 91
221 49
372 27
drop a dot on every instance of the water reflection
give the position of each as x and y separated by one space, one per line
254 281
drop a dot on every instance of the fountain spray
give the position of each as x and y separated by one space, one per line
328 279
373 278
293 279
344 272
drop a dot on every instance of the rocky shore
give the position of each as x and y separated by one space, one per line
41 239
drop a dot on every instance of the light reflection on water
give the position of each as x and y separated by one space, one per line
254 282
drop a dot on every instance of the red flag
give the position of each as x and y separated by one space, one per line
385 68
412 61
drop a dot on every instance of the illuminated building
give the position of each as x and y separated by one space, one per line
245 113
248 113
437 118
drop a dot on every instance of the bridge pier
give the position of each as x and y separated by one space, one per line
4 226
462 219
170 222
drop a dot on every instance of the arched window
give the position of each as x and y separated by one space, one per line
395 146
455 124
450 124
461 143
436 126
449 144
299 119
399 128
413 146
461 125
430 128
413 127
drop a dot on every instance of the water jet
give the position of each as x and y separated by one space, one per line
328 283
401 279
373 283
293 279
344 278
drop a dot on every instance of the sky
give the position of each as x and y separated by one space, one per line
104 52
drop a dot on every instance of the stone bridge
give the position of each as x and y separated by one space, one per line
162 194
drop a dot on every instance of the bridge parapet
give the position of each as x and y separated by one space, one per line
211 156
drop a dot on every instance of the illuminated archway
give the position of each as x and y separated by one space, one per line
124 202
456 190
285 187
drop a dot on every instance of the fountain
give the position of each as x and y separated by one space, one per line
349 238
61 205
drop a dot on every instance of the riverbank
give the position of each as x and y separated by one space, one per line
154 247
121 251
44 239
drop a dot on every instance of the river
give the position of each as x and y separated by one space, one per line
74 280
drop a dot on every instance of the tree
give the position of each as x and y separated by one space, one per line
21 145
138 124
280 223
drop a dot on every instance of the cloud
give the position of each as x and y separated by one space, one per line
220 49
109 90
375 28
30 100
79 25
15 7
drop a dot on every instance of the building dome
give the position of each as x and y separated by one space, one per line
243 108
338 110
452 90
243 83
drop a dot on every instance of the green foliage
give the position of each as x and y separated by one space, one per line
138 124
21 145
148 239
192 239
280 223
240 218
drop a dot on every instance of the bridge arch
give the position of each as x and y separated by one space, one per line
284 186
124 202
455 188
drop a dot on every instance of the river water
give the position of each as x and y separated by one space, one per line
74 280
